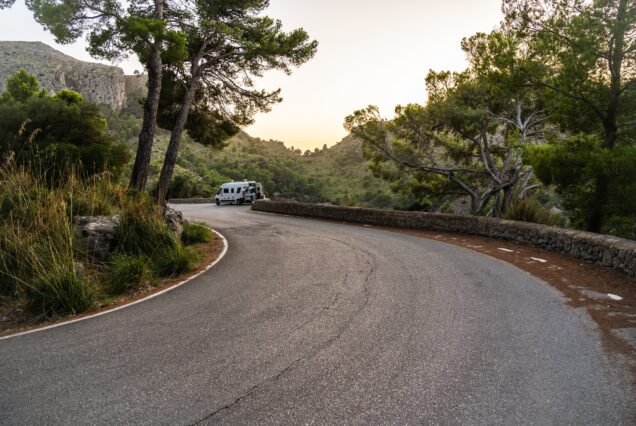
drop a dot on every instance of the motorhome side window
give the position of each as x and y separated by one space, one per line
226 191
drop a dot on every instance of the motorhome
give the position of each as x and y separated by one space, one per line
234 192
258 187
246 191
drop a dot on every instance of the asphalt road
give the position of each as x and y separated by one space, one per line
313 322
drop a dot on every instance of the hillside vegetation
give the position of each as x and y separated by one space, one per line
58 167
338 174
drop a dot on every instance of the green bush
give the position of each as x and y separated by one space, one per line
531 211
142 230
175 260
56 133
194 233
127 272
60 292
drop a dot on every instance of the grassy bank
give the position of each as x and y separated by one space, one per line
45 267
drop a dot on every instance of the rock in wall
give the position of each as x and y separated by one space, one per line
100 84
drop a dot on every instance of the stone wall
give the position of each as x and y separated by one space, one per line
613 252
190 201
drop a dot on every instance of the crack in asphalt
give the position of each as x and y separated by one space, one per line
320 348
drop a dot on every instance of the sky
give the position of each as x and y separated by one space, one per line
370 52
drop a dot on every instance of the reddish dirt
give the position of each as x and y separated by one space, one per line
18 318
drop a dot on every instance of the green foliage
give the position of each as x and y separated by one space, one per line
69 96
60 291
531 211
99 196
56 133
194 233
584 65
175 260
574 163
557 71
142 230
200 171
43 262
205 125
38 251
126 272
186 186
22 86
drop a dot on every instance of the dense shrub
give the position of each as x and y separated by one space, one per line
127 272
55 133
194 233
60 291
142 230
175 260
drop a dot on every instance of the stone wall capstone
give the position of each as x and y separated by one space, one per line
605 250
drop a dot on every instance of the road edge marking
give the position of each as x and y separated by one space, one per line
159 293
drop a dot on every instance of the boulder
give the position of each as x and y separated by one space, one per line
174 220
99 234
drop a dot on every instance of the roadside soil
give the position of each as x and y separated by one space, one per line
16 318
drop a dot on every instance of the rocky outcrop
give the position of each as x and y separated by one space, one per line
174 220
99 84
99 234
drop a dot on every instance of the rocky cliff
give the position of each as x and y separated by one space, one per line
100 84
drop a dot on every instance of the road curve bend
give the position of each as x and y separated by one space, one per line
313 322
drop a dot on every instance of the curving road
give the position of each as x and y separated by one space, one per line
313 322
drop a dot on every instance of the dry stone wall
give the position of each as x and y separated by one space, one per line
613 252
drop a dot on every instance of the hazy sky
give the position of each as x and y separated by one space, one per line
370 52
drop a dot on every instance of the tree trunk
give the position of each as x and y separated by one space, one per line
610 124
139 176
175 142
597 216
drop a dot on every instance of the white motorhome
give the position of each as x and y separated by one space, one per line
234 192
258 189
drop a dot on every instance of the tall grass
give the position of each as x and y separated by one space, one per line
41 252
127 272
142 229
193 233
38 246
